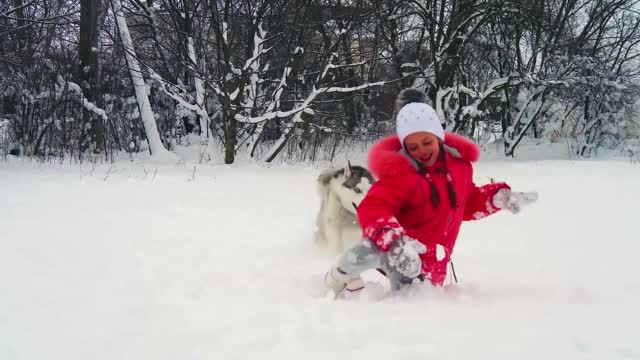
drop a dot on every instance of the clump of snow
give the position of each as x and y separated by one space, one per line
441 253
478 215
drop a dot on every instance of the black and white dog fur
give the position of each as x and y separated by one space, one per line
341 191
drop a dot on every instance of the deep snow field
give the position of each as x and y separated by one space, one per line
141 261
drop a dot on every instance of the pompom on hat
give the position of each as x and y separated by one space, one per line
415 115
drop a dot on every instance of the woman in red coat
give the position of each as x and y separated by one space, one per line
412 214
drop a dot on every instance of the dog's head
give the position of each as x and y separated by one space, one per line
351 184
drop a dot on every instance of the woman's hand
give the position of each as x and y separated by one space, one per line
403 256
513 200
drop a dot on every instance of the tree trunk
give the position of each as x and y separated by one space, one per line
230 140
88 72
157 149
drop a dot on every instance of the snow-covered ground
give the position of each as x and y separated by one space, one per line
164 262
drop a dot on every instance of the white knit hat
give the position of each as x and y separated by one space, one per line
415 117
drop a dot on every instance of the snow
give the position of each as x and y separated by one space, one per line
63 85
410 65
112 262
225 29
234 94
4 129
253 62
440 252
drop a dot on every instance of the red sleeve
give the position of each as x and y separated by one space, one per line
377 211
480 202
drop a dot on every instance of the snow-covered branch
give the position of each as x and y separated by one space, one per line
258 50
461 32
525 118
75 88
175 93
307 102
17 8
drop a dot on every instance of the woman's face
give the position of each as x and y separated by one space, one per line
423 147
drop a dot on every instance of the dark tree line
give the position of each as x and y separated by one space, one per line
302 79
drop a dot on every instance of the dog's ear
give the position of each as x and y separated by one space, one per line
347 170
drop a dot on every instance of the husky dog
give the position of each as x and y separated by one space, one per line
341 191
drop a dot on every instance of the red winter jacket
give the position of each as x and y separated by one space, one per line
399 201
